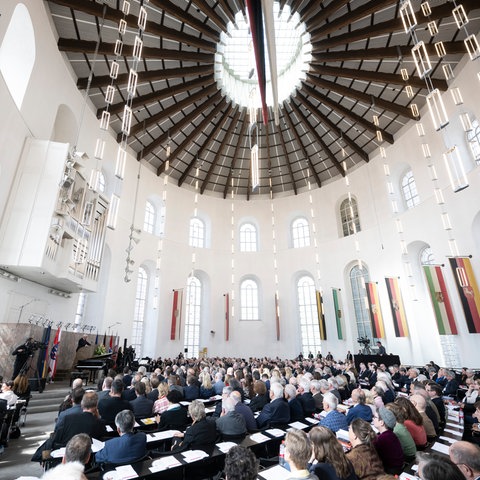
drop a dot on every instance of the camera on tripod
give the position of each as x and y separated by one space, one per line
35 345
363 341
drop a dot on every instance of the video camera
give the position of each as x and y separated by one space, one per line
363 341
34 345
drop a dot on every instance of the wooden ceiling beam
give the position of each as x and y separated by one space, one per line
377 77
198 130
331 126
364 98
287 160
180 14
114 15
306 124
170 111
267 142
322 15
88 47
241 137
286 115
159 95
146 76
227 10
219 153
205 144
211 14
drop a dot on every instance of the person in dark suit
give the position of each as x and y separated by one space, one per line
315 390
83 342
201 435
142 406
153 395
245 411
77 396
277 411
21 353
231 423
451 386
192 390
296 410
127 377
306 398
114 403
261 398
128 447
175 417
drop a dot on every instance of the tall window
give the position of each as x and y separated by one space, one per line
409 190
248 238
427 257
192 323
249 300
300 233
307 306
349 217
197 233
473 139
101 183
358 277
139 314
82 302
149 219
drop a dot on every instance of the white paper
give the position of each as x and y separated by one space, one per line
126 471
259 438
161 435
194 455
275 432
298 425
97 445
453 432
314 421
448 439
58 453
224 447
407 476
275 473
343 435
109 429
209 409
440 447
164 463
185 403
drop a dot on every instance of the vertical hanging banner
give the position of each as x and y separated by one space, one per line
468 291
339 321
376 317
176 313
227 316
440 300
321 316
277 316
42 363
52 364
396 305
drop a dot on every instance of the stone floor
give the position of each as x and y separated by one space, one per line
42 411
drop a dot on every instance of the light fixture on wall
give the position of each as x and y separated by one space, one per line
9 276
60 293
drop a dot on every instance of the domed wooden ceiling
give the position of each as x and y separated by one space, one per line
358 50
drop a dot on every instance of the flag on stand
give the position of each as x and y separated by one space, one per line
96 339
52 364
104 343
110 346
42 365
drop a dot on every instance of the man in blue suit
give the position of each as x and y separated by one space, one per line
277 411
126 448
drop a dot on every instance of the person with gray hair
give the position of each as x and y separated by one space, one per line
277 411
334 420
466 456
305 397
78 449
128 447
315 390
202 434
296 410
244 410
231 423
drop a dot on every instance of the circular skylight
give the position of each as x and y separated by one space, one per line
235 70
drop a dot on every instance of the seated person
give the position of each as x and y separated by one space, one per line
192 390
466 456
305 398
406 440
201 434
387 444
8 394
334 420
114 403
420 404
329 461
261 398
142 406
364 457
434 466
277 410
296 410
240 464
434 390
360 410
298 451
76 397
244 410
161 404
128 447
413 421
175 417
230 422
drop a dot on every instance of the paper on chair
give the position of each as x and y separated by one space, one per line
224 447
259 438
164 463
440 447
275 432
298 425
59 453
314 421
148 421
194 455
109 429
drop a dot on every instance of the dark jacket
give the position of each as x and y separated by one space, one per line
84 422
308 404
142 407
296 410
127 448
277 411
258 402
173 419
110 406
201 435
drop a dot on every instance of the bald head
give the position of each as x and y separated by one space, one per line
466 456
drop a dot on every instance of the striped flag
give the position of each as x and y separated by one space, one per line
468 291
96 339
176 313
52 364
227 317
110 346
376 317
337 303
321 316
440 300
396 304
42 365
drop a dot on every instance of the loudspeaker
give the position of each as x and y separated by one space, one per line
34 387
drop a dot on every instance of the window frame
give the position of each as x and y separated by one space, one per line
249 300
308 315
300 232
150 217
350 224
193 315
248 237
140 310
409 190
196 236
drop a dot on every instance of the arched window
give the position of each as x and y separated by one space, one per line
248 238
149 219
249 300
307 307
473 139
409 190
427 257
300 233
358 277
17 53
140 308
349 217
192 322
101 182
196 236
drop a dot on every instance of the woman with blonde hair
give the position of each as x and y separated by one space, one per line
162 403
206 387
328 458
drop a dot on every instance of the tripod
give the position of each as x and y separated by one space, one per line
27 366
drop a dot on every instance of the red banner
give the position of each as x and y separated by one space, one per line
176 313
227 317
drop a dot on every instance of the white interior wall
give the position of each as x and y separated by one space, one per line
52 85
